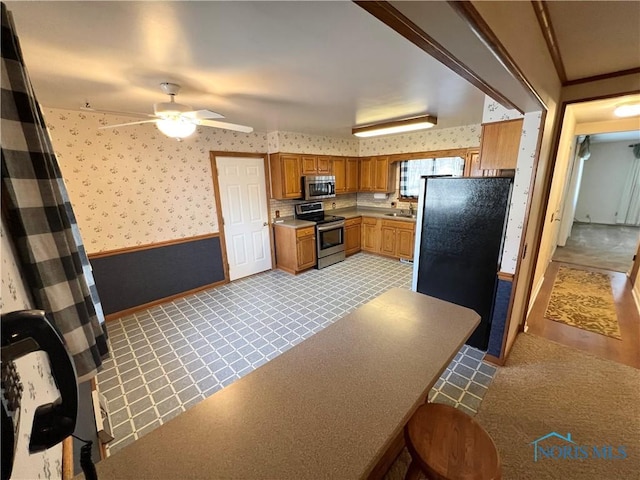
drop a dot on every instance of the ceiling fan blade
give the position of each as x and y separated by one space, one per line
225 125
125 124
202 115
116 112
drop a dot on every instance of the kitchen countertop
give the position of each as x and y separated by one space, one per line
329 407
352 212
349 212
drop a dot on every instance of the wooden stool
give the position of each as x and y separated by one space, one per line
447 444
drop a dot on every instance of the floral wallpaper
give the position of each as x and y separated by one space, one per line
39 388
15 295
35 374
494 112
520 195
439 139
292 142
133 185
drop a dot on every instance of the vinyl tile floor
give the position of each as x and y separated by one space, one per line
166 359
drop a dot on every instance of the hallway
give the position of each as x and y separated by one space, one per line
609 247
625 351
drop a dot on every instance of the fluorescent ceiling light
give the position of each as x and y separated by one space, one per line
398 126
176 128
627 110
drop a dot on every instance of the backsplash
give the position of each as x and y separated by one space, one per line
133 185
286 207
455 137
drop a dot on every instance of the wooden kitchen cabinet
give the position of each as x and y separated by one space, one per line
397 239
346 171
317 165
295 248
499 145
472 166
371 234
376 175
352 235
366 174
286 174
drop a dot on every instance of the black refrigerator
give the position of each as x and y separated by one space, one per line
460 233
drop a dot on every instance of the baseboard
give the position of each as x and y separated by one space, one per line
493 359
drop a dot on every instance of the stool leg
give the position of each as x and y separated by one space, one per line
414 471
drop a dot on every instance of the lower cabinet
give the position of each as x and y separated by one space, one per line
371 234
397 238
295 248
352 235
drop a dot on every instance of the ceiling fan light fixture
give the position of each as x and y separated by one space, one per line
397 126
627 110
176 128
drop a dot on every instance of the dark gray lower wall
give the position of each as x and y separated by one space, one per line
131 279
499 318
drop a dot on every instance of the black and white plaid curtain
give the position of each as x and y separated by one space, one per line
40 218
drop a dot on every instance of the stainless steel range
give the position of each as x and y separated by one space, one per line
329 232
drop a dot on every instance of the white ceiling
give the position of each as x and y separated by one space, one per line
601 110
311 67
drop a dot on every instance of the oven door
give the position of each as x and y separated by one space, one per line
330 238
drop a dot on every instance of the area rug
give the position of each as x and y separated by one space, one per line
584 299
549 390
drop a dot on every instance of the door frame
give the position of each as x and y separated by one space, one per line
216 193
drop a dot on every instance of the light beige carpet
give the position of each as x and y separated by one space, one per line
584 299
546 387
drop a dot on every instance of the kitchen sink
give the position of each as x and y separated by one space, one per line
403 215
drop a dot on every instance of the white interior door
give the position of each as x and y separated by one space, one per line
243 199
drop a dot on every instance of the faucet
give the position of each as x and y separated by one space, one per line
411 209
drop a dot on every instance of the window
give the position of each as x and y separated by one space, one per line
412 170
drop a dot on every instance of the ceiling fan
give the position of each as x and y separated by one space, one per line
175 119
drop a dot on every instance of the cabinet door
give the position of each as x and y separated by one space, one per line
366 174
405 242
309 164
352 233
370 235
340 171
388 243
291 183
306 252
352 170
324 165
499 145
381 174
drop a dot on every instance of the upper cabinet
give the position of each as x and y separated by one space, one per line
286 174
316 165
346 171
499 145
376 175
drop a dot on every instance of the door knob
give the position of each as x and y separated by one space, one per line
264 224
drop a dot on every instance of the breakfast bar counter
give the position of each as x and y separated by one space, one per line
329 407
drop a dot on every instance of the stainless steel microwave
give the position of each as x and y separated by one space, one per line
317 187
